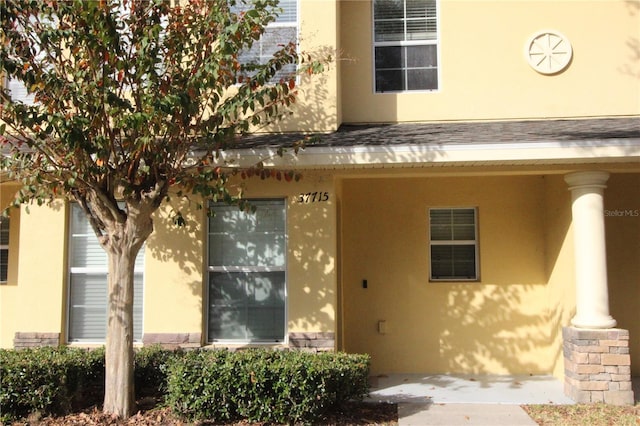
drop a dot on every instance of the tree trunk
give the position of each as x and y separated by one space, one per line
122 249
119 397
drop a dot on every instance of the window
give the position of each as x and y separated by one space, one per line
405 45
247 278
277 34
453 244
88 283
4 249
18 91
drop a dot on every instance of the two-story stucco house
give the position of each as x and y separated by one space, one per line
472 206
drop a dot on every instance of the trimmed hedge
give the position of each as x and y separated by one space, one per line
48 380
216 385
61 380
264 385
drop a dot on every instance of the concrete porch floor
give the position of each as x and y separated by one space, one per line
468 389
457 400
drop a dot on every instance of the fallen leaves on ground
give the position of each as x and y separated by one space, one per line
353 413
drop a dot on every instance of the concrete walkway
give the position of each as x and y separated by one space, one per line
466 399
462 414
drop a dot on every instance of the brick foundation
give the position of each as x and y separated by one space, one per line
23 340
597 365
173 340
313 342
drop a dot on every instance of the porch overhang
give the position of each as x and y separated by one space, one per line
408 156
410 145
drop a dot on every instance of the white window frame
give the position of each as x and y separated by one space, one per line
102 270
249 269
407 43
474 243
5 247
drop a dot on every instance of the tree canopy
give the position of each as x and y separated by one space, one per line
124 92
134 100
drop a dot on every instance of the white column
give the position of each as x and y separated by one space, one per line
587 208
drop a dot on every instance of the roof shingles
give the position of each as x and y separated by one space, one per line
575 130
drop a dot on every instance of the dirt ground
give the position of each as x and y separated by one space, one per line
356 413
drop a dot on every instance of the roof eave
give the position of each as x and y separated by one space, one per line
434 155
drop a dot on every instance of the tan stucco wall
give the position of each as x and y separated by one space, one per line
483 72
497 325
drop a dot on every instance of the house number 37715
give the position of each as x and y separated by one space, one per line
313 197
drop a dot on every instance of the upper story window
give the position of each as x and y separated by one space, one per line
453 244
18 91
277 34
4 249
405 45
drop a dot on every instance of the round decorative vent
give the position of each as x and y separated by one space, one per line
548 52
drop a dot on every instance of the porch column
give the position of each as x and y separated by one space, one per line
592 294
597 364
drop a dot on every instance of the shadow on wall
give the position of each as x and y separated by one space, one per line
311 296
559 264
508 323
312 289
181 246
316 109
632 68
481 328
622 231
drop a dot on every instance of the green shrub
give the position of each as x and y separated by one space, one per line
61 380
264 385
258 385
49 380
199 385
150 372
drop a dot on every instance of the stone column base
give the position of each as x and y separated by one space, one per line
597 365
35 340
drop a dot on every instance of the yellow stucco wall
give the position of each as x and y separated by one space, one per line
175 280
497 325
622 229
375 228
311 249
35 302
174 272
559 266
483 72
318 106
175 277
175 261
8 306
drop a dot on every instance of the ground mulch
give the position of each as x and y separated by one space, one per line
353 413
